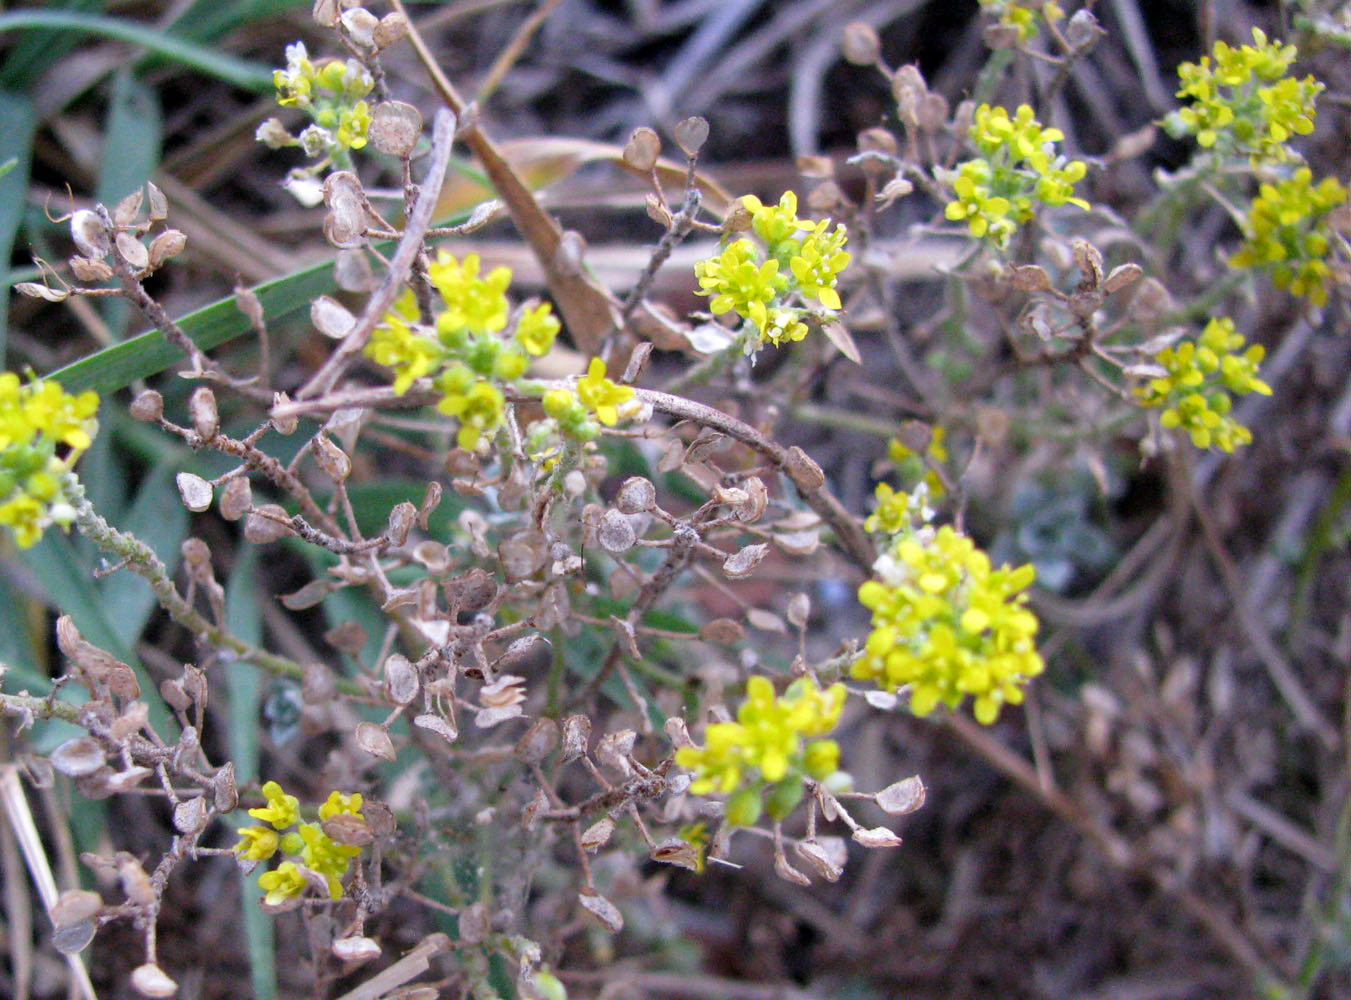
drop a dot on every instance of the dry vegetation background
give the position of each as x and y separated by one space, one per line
1158 823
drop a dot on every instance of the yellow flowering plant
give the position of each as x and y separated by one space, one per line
307 848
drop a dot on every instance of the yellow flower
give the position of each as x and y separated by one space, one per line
257 843
537 329
601 396
472 303
281 811
284 882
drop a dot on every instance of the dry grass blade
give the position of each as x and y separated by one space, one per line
20 818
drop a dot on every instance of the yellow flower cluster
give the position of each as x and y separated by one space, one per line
794 279
766 749
308 848
1023 14
1020 168
467 351
1243 103
332 93
37 417
911 465
1202 375
1288 233
946 623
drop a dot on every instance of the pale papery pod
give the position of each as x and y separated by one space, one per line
395 128
691 134
331 318
318 686
1122 276
401 679
724 631
38 771
375 741
360 25
325 13
96 786
224 790
576 735
78 757
643 149
1030 278
604 911
355 950
91 272
680 853
538 741
614 749
526 655
132 250
597 835
799 609
344 828
838 334
74 938
486 718
166 246
152 981
677 732
436 724
505 690
803 469
126 210
636 496
860 44
308 596
379 817
819 860
878 836
902 797
786 871
91 236
352 271
74 906
147 406
432 556
741 564
136 884
195 491
158 208
125 780
269 523
122 683
884 701
523 554
765 621
392 28
615 532
830 806
190 816
401 521
204 413
37 290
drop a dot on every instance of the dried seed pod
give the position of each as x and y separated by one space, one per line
331 318
1121 276
78 757
91 236
597 835
401 679
344 828
124 214
878 836
526 655
576 734
435 724
604 911
347 637
89 271
355 950
318 685
723 631
166 246
132 250
475 589
333 460
158 209
375 741
691 134
902 797
268 523
643 149
614 749
395 128
190 816
74 906
616 532
236 499
224 790
136 884
877 140
1083 31
202 410
1031 278
195 491
523 554
636 496
741 564
860 44
147 406
36 290
401 521
360 26
325 13
392 28
799 609
538 741
151 981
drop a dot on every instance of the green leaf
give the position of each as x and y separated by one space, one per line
38 51
243 679
18 120
238 72
117 366
208 20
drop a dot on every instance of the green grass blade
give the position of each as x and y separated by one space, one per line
238 72
38 51
118 366
245 685
208 20
18 121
